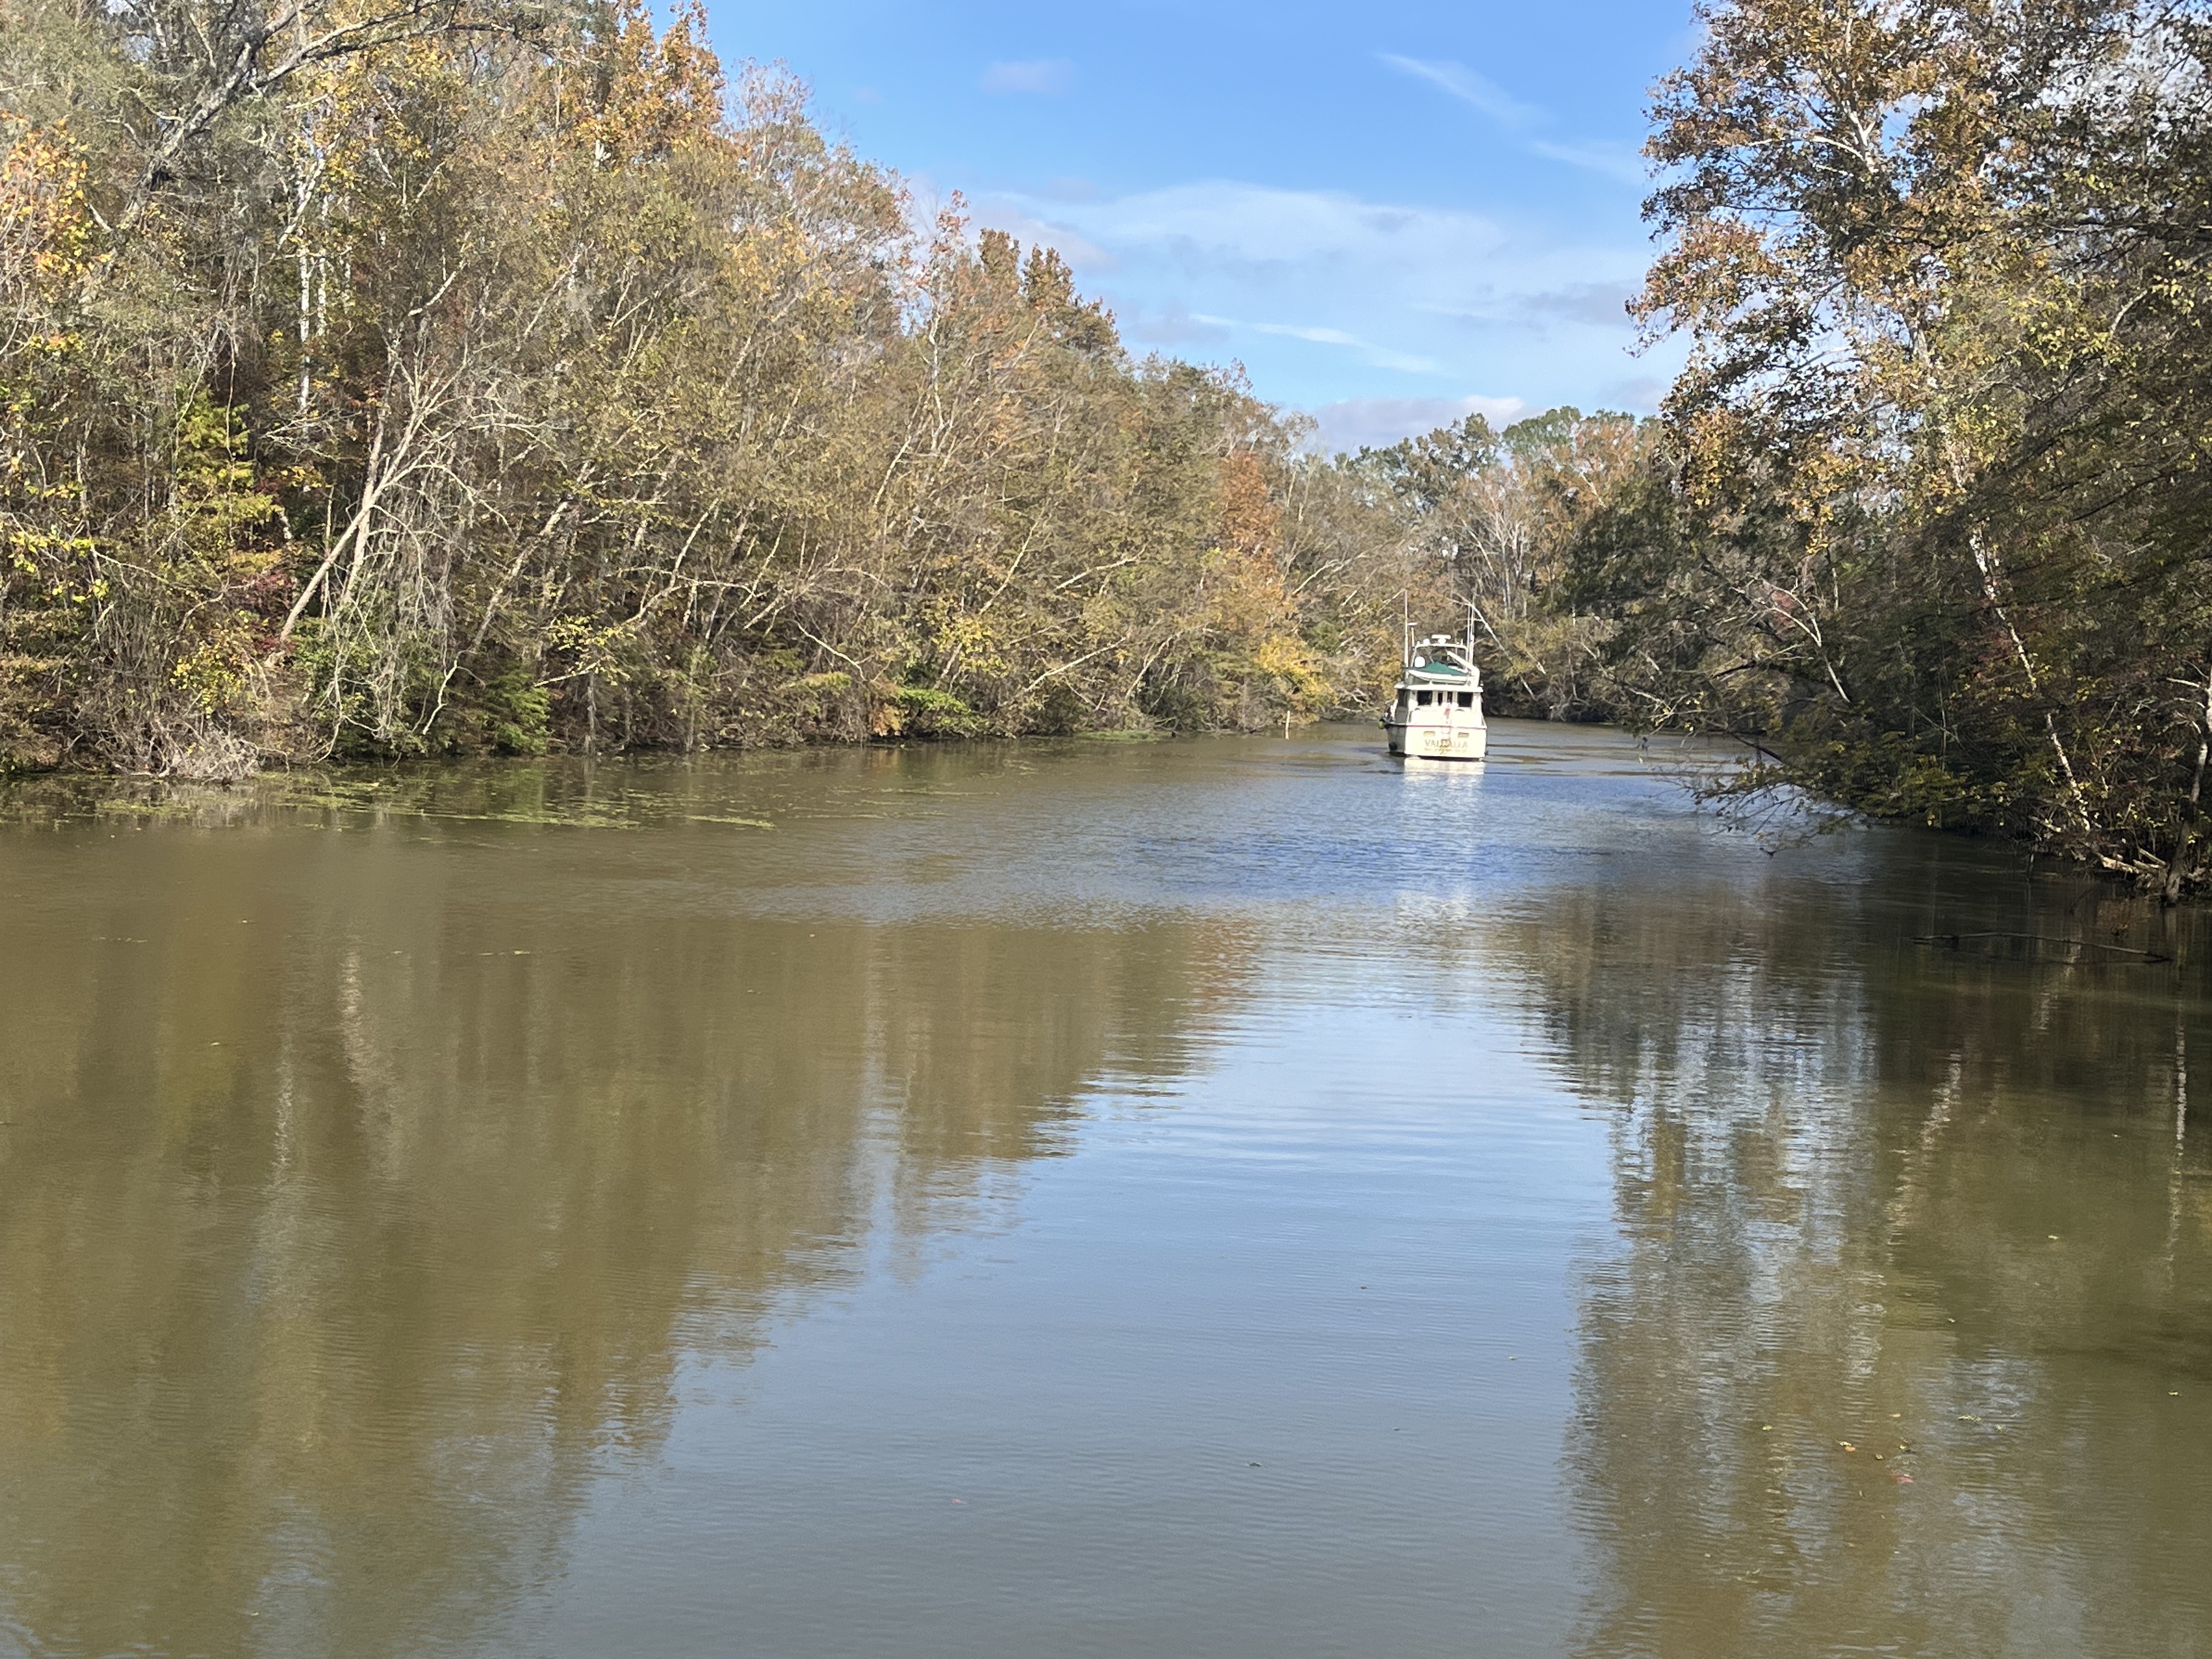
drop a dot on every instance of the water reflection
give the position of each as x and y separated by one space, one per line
357 1197
487 1209
1907 1344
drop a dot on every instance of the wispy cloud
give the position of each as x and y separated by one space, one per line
1469 88
1253 231
1592 304
1403 362
1595 305
1354 423
1024 225
1314 336
1045 77
1639 394
1613 160
1170 324
1339 291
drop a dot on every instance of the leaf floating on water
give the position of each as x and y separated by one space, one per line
1847 1446
1901 1477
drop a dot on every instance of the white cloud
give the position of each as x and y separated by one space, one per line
1256 230
1614 160
1336 262
1601 304
1315 336
1356 423
1403 362
1639 394
1046 77
1469 88
1170 325
1585 305
1031 230
1327 295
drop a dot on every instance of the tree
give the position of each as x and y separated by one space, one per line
450 376
1941 433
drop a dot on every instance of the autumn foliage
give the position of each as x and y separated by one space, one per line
424 378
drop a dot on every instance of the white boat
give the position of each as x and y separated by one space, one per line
1438 714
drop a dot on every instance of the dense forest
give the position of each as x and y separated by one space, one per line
390 377
426 377
1937 505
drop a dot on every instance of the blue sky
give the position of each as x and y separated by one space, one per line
1390 214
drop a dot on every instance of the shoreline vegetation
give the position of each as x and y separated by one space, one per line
400 378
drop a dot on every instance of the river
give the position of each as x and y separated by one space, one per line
1234 1197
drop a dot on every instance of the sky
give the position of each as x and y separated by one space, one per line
1391 215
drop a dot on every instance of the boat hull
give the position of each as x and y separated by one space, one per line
1437 742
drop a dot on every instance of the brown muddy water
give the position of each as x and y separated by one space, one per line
1232 1198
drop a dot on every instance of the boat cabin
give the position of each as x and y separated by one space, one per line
1437 712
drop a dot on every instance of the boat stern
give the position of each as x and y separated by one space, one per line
1456 741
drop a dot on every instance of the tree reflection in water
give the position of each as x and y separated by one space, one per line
376 1180
358 1194
1916 1246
